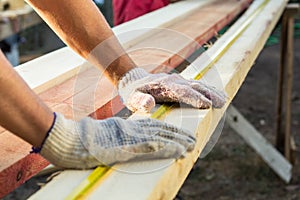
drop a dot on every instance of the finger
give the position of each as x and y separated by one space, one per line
186 94
152 124
187 141
174 92
174 88
142 102
221 93
217 97
152 150
169 150
157 133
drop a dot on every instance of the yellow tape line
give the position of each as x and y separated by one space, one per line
86 187
97 176
164 109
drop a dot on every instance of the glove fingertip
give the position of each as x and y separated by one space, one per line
191 146
141 102
219 101
174 150
203 103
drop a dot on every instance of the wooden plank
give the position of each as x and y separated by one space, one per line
289 85
265 149
134 31
15 12
13 4
64 61
283 137
52 70
162 179
22 166
290 12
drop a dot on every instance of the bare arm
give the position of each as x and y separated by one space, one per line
84 29
22 112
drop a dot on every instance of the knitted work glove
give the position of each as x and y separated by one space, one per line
89 143
139 90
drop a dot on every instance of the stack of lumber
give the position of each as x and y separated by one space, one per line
19 16
11 4
71 86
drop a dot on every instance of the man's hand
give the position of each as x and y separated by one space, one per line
139 90
89 143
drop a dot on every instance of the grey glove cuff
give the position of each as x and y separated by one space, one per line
64 148
38 149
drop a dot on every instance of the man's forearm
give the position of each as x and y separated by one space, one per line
83 28
22 111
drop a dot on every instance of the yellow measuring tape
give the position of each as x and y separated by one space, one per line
85 188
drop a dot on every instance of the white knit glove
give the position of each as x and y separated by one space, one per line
89 143
139 90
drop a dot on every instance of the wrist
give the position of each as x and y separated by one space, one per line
39 148
131 76
63 147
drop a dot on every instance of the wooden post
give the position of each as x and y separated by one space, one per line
285 82
279 135
255 139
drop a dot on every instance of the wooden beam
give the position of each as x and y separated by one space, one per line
67 83
19 166
162 179
141 27
285 83
13 4
50 70
54 69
